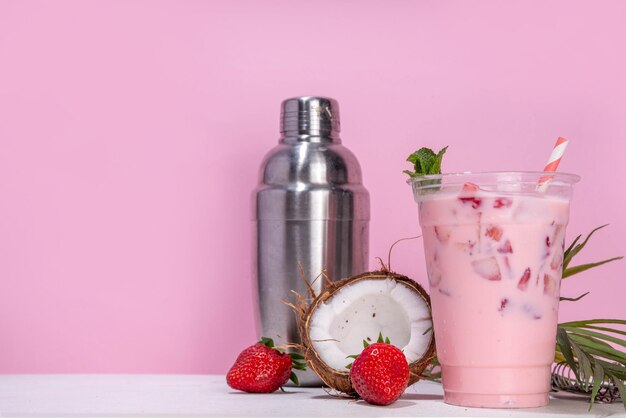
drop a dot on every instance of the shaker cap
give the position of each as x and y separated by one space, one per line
309 115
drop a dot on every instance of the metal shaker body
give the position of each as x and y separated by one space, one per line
311 209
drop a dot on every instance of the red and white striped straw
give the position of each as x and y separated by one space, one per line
553 162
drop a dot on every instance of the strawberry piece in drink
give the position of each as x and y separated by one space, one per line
470 187
434 276
506 248
467 195
523 282
550 285
557 261
487 268
502 202
494 232
443 233
474 201
503 304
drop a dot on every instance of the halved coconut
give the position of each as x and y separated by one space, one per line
335 323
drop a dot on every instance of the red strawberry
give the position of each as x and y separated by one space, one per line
380 374
261 368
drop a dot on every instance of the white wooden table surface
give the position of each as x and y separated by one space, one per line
181 396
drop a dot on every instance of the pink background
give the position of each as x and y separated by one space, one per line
131 133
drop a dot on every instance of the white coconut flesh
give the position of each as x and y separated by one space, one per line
363 309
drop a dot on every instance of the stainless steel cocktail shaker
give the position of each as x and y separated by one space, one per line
310 208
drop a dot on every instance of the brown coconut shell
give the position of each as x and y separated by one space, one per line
340 379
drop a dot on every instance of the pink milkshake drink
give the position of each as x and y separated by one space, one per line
494 245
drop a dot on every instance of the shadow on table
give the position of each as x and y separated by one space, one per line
278 392
422 397
400 403
408 399
333 397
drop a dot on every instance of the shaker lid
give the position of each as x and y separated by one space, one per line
309 115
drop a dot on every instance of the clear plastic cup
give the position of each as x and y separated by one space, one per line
494 246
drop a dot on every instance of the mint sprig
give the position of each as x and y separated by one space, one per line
425 162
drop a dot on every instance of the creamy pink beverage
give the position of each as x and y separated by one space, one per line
494 254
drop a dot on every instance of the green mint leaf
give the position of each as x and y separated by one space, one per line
436 168
425 162
422 160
